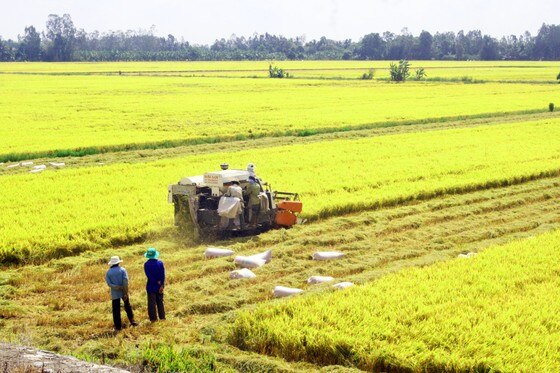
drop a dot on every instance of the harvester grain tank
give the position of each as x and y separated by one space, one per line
203 203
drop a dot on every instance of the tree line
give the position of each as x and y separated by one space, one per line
62 41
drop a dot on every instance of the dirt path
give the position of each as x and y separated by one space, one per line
24 359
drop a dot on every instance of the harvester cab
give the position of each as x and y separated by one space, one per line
221 201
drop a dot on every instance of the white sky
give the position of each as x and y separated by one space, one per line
203 21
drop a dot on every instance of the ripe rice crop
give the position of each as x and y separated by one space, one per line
76 115
66 211
495 312
228 68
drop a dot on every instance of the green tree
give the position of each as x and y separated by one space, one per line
276 72
420 74
371 47
399 72
30 45
425 41
60 34
489 50
6 53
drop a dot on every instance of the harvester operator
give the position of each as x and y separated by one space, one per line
253 203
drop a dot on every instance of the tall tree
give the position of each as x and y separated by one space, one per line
444 45
60 33
30 45
425 45
547 42
6 50
489 50
371 47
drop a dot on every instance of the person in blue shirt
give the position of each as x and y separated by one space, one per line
155 272
117 280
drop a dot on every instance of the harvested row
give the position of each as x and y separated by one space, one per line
374 243
494 312
123 113
35 300
87 208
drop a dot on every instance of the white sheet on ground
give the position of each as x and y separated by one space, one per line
249 262
282 291
319 279
215 252
241 273
327 255
343 285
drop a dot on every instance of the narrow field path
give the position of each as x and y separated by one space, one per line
29 360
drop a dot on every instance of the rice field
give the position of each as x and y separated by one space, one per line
493 312
401 178
92 114
91 207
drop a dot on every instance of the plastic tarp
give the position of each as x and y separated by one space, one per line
241 274
327 255
57 164
215 252
343 285
282 291
229 207
254 261
249 262
319 279
267 256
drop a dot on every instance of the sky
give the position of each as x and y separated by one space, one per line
204 21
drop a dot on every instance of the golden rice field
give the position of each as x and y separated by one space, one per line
89 207
493 312
104 113
400 177
525 69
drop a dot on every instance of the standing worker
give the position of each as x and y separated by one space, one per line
253 203
155 272
235 191
251 169
117 279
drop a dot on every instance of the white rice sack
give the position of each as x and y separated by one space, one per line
39 167
249 262
57 164
13 165
267 256
319 279
342 285
37 171
327 255
467 255
241 273
282 291
215 252
26 164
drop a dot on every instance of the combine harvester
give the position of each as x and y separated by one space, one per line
216 204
